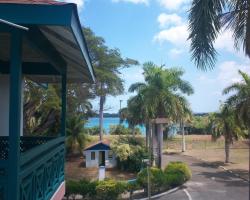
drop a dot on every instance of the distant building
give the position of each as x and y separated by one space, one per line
100 154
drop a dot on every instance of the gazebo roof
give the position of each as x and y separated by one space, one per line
53 42
101 145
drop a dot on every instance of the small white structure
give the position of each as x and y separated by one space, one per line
99 154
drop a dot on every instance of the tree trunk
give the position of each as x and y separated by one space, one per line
102 99
147 135
227 149
133 131
183 137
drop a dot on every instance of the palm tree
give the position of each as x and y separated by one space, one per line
184 113
162 90
161 94
133 113
225 124
207 18
107 64
75 133
241 99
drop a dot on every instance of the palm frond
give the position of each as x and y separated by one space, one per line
204 27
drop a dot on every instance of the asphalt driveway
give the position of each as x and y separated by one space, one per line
208 182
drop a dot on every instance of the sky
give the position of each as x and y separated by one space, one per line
156 30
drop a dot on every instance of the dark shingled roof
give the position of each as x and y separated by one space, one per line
103 145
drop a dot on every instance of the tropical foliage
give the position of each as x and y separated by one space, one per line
122 130
107 64
75 133
130 152
240 100
208 18
162 92
225 124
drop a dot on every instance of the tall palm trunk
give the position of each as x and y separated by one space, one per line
183 136
102 100
147 135
227 148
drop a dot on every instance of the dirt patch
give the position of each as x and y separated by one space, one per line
75 170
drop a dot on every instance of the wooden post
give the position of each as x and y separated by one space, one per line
15 114
160 143
64 103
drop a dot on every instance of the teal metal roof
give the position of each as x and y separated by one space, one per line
54 38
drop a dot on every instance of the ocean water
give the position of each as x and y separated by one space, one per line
107 122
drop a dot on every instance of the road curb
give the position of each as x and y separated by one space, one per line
162 194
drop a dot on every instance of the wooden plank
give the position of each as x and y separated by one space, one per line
39 42
64 104
15 114
31 68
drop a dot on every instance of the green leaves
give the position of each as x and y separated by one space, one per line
107 64
240 100
161 95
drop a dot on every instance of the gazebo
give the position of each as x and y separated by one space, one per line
43 41
156 139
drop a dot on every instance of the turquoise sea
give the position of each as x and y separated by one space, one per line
94 121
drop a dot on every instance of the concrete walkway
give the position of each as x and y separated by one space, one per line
208 182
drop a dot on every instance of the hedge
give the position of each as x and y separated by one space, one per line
175 174
101 190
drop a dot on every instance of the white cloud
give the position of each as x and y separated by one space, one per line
79 3
205 79
175 53
169 19
226 75
176 35
225 41
173 4
146 2
228 72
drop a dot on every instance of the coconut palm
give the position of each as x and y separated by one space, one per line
161 94
133 114
162 90
207 18
225 124
241 99
75 133
184 114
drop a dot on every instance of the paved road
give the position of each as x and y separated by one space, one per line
208 183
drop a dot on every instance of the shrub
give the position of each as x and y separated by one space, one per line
72 189
109 190
157 179
92 189
130 152
132 186
87 188
122 130
119 130
177 173
95 130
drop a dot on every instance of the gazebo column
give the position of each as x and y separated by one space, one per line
64 103
15 114
160 143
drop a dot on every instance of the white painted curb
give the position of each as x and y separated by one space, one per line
162 194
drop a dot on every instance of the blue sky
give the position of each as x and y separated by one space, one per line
156 30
